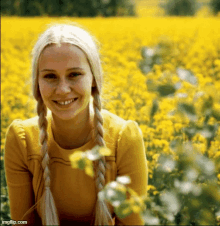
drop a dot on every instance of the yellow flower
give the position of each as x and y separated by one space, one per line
75 159
89 170
136 209
125 89
76 156
132 192
217 154
126 210
105 151
74 164
150 187
155 192
121 188
156 156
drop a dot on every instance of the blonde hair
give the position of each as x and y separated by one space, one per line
72 34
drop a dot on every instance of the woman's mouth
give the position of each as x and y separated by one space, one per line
65 103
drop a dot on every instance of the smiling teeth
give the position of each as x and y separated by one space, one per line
65 102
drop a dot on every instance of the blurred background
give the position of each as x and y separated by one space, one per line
107 8
161 64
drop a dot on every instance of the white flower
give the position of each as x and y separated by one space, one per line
123 180
113 184
150 52
116 203
110 193
186 187
92 156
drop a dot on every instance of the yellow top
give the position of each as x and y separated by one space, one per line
73 190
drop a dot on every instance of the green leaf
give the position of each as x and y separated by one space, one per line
207 106
157 59
81 164
151 85
123 210
190 131
189 110
2 164
216 115
154 108
145 67
165 90
4 198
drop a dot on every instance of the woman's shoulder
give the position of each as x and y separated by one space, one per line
117 128
110 118
19 125
16 137
23 130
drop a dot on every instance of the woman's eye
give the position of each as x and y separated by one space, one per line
50 76
74 74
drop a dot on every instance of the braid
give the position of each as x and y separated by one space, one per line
98 120
102 213
47 204
42 121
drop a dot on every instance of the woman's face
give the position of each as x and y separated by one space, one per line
65 80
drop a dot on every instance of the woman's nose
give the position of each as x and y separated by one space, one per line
63 87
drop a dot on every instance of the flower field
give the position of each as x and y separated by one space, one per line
190 44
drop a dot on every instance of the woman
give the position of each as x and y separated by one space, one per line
67 79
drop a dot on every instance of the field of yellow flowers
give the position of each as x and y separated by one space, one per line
193 43
190 43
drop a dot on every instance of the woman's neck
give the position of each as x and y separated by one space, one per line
74 133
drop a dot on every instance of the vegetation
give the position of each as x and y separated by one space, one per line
68 8
215 6
184 187
180 7
174 97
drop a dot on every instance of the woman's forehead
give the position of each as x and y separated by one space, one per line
63 58
63 52
62 48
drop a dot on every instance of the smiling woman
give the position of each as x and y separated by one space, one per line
67 79
65 82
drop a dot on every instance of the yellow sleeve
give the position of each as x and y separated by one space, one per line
18 177
131 161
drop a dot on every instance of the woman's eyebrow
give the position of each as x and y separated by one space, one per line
47 70
69 69
75 68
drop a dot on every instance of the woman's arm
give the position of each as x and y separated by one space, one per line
18 177
131 161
